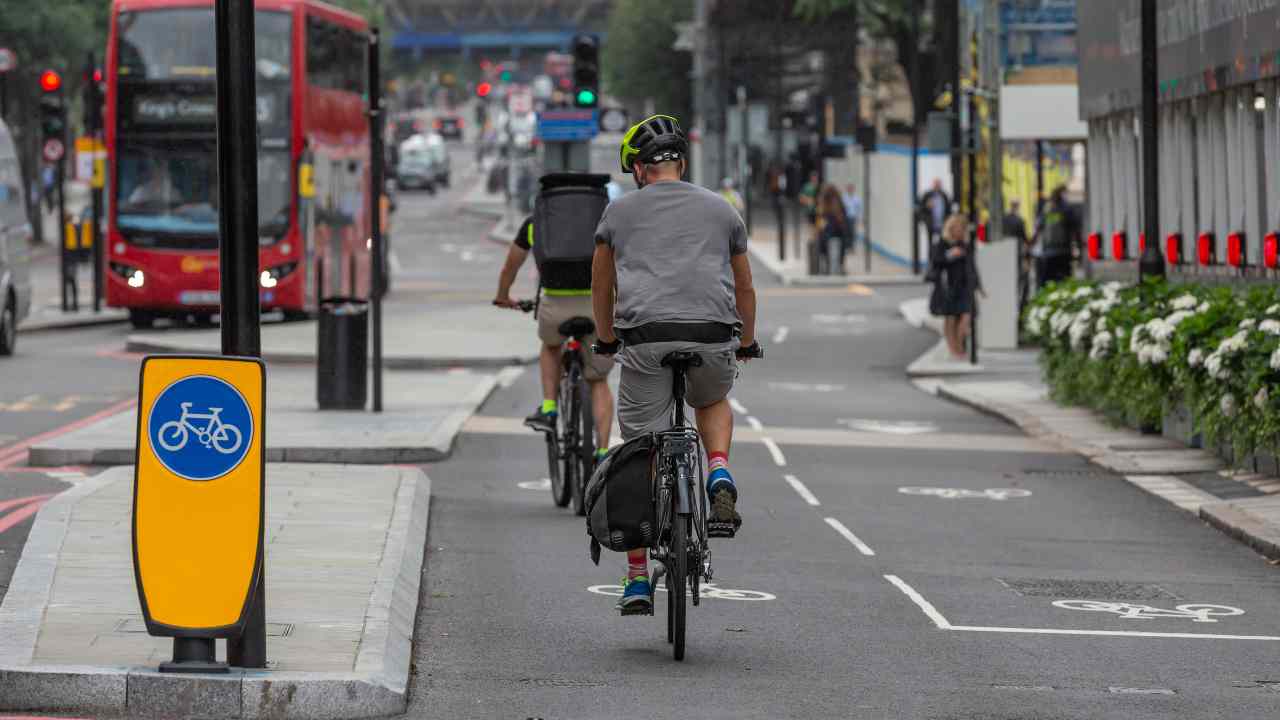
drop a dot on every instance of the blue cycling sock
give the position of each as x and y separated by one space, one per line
720 479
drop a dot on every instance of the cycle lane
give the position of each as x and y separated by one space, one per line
1002 562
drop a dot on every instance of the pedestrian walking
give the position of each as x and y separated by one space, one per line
1057 236
934 209
808 197
853 211
955 281
48 177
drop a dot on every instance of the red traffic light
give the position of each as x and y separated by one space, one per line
483 89
97 75
50 81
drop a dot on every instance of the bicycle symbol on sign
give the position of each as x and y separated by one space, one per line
1196 612
223 437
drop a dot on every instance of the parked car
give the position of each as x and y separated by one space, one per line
440 158
417 165
449 125
15 246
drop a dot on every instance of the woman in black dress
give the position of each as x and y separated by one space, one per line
955 280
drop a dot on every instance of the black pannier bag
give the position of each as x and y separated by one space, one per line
619 498
565 215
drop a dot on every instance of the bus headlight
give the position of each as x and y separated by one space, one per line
273 275
131 275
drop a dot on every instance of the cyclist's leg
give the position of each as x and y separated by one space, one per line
543 418
709 386
596 370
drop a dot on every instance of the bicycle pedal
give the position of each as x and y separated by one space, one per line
721 530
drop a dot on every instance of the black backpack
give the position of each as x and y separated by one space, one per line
565 215
621 513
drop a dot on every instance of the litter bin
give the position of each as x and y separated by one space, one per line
342 354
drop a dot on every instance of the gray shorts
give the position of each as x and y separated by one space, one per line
645 402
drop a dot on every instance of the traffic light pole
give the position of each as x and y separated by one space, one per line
70 293
1152 263
238 249
375 198
93 124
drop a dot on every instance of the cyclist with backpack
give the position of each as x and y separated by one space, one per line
566 293
671 274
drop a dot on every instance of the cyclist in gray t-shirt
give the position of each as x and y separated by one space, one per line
671 274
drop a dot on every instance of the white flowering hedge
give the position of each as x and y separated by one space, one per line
1131 351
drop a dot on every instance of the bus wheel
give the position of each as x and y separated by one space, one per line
141 319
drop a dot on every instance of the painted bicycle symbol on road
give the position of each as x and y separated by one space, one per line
1196 612
962 494
220 436
707 590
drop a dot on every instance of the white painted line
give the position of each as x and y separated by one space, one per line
737 406
1141 691
755 423
801 490
775 451
1111 633
508 376
927 607
780 336
839 527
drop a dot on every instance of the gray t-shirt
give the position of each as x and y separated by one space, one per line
671 247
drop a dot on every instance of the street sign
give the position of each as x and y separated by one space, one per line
8 60
198 493
567 125
613 120
53 150
88 151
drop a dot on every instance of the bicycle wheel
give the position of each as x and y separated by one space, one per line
570 440
671 611
586 448
559 490
679 581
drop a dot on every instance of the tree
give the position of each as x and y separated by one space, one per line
638 61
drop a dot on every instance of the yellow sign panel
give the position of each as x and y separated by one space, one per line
198 493
98 179
306 180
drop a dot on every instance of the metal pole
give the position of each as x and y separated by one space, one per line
70 292
995 215
238 244
1039 176
93 115
866 210
1152 262
744 162
957 101
375 197
915 135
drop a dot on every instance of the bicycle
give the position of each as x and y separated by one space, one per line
224 438
682 550
571 450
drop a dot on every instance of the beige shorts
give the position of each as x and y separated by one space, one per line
555 309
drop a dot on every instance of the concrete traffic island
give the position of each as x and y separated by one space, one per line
424 412
344 553
475 336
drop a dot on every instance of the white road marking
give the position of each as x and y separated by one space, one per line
543 484
959 493
755 423
943 624
780 336
839 527
508 376
737 406
1141 691
925 606
889 427
705 590
806 387
801 490
833 319
775 451
1197 612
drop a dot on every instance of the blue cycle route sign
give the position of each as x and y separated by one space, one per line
200 427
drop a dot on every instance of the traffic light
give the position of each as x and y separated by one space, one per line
586 71
53 111
483 89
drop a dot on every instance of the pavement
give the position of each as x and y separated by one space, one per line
474 335
73 639
423 413
1244 505
794 270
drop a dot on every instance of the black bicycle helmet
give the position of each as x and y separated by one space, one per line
654 139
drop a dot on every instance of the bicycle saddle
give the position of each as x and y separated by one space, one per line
682 360
577 327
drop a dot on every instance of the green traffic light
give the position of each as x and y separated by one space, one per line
586 97
506 76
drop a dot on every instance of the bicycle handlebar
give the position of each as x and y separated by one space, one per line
521 305
750 352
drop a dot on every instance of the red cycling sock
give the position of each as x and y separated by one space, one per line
717 460
637 564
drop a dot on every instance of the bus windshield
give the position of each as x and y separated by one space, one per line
172 189
178 44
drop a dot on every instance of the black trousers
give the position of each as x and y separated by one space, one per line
1052 268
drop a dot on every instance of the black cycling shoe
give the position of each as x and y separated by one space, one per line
725 520
542 422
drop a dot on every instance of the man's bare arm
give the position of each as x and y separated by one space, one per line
744 293
515 258
603 283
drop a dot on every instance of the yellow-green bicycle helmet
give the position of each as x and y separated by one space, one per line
653 139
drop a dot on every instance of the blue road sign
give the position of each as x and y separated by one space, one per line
567 125
201 427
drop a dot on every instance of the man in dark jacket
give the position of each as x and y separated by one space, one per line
934 209
1057 234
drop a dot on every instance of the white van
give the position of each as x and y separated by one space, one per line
15 246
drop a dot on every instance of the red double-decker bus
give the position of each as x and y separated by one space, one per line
314 212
